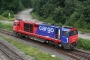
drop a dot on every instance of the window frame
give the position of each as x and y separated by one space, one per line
64 33
15 23
73 33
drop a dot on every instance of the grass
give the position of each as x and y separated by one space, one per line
6 26
8 19
83 44
31 51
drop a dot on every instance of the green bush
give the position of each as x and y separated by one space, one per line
58 15
84 44
6 14
6 26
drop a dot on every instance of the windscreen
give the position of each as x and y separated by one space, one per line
14 24
73 32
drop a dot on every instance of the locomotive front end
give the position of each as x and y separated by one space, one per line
73 38
69 37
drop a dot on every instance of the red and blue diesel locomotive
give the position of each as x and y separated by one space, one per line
65 37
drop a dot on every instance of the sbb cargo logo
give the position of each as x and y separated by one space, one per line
47 29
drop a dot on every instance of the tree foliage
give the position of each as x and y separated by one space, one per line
27 3
70 12
13 5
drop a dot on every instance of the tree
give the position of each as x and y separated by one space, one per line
27 3
12 5
58 15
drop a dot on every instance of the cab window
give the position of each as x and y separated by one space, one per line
14 24
73 32
18 24
64 33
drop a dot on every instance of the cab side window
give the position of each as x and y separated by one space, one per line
64 33
73 32
18 24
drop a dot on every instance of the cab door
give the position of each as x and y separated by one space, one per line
64 37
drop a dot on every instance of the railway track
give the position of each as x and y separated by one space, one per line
75 54
80 54
9 53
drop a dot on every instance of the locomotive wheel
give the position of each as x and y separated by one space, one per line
46 42
51 43
15 33
58 45
19 35
27 36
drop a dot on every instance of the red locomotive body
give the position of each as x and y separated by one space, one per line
65 37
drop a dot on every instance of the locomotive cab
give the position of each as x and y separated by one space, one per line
69 37
16 24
